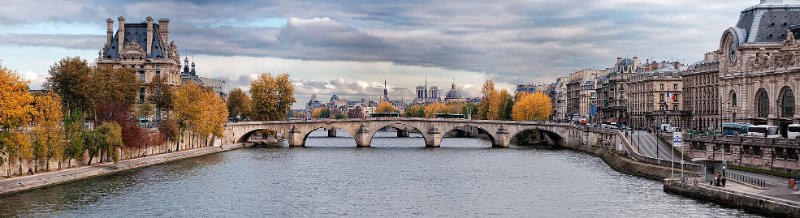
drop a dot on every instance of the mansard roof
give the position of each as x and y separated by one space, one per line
768 21
138 32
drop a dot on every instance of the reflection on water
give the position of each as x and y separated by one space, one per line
395 177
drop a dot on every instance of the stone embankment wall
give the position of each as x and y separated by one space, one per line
12 168
25 183
748 201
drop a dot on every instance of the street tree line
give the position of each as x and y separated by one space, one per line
94 109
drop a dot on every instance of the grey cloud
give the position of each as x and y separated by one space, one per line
509 41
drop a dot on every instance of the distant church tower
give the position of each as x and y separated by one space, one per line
385 91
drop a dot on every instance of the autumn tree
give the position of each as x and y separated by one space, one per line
238 104
169 130
199 110
187 107
532 107
385 107
71 78
48 132
414 111
114 85
321 113
272 97
15 113
489 93
432 109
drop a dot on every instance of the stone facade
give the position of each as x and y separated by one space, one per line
764 153
611 96
144 48
760 66
654 97
701 94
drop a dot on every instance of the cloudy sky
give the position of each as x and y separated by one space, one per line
349 47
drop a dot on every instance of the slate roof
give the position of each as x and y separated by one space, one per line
138 32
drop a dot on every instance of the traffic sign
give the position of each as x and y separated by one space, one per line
677 139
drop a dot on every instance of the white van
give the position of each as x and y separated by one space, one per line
793 131
763 131
665 127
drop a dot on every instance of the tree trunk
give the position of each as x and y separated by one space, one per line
69 162
90 160
47 165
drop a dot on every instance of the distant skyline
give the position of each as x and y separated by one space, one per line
349 47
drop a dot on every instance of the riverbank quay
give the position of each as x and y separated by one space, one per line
36 181
772 200
738 196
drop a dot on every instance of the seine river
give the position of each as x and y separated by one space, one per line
396 177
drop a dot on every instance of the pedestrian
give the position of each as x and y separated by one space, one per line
723 180
30 171
716 180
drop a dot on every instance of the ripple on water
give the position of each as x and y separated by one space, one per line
395 177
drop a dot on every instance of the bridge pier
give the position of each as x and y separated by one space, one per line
434 139
295 138
502 138
402 133
332 133
363 138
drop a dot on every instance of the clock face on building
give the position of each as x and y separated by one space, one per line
732 51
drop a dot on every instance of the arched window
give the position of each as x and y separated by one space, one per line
787 103
733 99
762 104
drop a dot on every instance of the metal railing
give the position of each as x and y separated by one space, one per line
746 179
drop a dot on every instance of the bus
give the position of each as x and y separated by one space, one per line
731 129
763 131
793 131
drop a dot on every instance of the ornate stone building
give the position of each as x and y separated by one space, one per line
760 65
142 47
701 94
611 96
654 97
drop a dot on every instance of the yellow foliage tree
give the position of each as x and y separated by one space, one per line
188 111
48 132
532 107
385 107
271 97
432 109
15 112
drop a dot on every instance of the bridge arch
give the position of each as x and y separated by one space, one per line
548 135
399 126
310 130
252 131
490 133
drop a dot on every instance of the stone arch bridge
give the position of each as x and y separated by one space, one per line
432 130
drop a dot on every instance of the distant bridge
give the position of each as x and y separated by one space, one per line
432 130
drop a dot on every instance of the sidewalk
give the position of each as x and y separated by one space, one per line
25 183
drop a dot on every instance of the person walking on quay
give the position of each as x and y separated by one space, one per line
723 180
716 179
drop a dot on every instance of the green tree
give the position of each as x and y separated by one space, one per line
74 137
161 95
71 78
109 138
506 103
414 111
238 104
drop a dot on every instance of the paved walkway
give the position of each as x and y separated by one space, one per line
24 183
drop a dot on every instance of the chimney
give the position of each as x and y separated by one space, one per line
121 33
149 35
109 33
619 59
163 31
